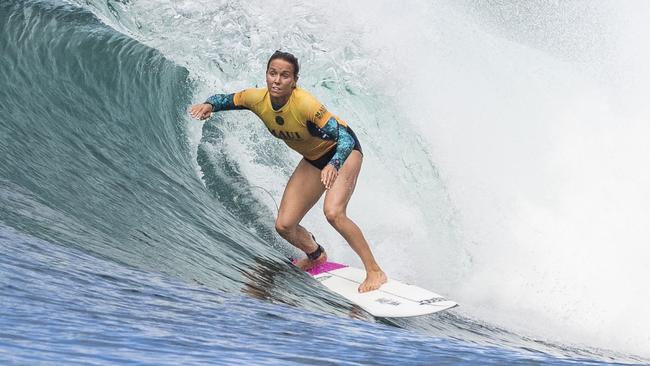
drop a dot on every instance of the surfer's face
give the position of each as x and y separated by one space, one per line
280 78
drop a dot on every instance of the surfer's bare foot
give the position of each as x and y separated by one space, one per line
306 264
374 280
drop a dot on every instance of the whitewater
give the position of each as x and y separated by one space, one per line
505 166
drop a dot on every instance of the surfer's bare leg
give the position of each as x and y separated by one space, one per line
336 203
301 194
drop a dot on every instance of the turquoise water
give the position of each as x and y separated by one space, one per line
127 241
62 306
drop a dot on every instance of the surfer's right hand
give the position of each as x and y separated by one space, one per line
201 111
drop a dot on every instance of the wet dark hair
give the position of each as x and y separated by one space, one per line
286 56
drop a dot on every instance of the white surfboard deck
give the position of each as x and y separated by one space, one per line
393 299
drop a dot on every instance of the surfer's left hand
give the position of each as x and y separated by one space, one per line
328 175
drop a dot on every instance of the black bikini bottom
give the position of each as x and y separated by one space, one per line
321 162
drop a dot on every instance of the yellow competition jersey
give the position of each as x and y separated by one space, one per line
290 123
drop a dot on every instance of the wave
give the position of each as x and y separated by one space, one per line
95 152
98 152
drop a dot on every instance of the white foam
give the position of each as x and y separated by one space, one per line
546 162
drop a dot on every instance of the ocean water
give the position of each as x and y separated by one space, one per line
505 167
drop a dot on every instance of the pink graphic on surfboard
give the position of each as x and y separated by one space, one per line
321 268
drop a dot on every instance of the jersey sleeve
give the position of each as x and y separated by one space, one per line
246 98
344 141
315 111
222 102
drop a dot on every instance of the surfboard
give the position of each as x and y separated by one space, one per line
393 299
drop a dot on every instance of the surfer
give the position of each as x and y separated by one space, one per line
331 163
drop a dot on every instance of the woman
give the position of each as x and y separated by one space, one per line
331 161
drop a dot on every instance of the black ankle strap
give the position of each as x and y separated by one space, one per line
316 253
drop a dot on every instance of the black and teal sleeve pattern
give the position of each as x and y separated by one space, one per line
223 102
344 141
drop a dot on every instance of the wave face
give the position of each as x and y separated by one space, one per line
107 187
94 155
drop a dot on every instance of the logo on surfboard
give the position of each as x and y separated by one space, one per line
432 300
383 300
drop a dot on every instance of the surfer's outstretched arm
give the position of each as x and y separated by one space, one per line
223 102
216 103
